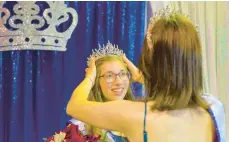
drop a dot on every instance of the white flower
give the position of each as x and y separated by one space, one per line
59 137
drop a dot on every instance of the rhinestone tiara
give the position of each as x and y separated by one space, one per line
105 50
166 13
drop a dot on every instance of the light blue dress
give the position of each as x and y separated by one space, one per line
217 113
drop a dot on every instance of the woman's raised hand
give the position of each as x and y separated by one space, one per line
136 74
91 71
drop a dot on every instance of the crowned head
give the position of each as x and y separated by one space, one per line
171 60
112 76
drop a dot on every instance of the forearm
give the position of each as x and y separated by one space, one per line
82 91
79 95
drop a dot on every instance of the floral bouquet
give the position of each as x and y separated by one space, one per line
71 134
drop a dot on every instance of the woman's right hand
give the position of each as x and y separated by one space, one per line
136 74
91 71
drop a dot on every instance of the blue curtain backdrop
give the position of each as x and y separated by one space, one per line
35 86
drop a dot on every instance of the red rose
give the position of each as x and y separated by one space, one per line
91 138
73 135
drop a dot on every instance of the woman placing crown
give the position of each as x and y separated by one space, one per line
174 109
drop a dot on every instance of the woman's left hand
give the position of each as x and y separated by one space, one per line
91 70
136 74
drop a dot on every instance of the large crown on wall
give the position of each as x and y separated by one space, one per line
30 31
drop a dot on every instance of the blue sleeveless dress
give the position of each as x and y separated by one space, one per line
115 138
217 113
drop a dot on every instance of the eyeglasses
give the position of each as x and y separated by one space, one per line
110 76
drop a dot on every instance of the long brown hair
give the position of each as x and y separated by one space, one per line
171 62
96 93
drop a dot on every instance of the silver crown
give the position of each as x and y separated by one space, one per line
166 13
26 34
107 50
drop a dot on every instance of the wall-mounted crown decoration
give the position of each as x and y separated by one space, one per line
26 26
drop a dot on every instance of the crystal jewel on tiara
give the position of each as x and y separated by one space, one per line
166 13
27 34
107 50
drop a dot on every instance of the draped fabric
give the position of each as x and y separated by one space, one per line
35 86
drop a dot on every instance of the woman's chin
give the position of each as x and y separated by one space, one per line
116 97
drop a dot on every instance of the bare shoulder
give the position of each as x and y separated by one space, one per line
127 105
129 108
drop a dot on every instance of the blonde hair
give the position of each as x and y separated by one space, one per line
97 95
